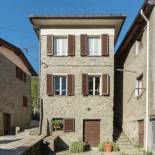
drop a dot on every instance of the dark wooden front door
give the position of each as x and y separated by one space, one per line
92 132
141 132
6 123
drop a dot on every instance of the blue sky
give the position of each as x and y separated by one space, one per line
16 28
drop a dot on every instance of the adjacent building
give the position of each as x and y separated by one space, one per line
15 88
77 74
130 80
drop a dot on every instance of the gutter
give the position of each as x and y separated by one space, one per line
147 121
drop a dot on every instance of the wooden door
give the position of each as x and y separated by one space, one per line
92 132
7 123
141 132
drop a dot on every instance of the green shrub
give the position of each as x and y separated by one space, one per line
77 147
115 147
101 147
148 153
57 123
108 142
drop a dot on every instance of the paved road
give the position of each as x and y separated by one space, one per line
15 145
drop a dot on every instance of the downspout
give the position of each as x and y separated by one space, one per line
40 95
147 81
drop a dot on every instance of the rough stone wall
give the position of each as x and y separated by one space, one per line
152 80
77 106
12 91
133 108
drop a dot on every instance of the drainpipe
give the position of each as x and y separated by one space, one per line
147 82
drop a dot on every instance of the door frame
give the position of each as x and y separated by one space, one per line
8 115
83 129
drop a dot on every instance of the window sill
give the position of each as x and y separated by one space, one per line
61 56
94 95
94 56
60 95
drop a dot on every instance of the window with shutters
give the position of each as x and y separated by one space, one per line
25 101
60 85
94 83
139 86
94 46
20 74
60 45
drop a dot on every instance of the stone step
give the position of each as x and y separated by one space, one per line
123 142
126 146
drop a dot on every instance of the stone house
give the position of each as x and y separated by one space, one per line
77 74
15 88
130 81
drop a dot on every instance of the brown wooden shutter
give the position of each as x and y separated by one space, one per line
85 84
105 44
25 101
84 44
69 125
71 86
50 45
71 45
49 84
105 85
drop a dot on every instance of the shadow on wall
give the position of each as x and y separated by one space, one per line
118 104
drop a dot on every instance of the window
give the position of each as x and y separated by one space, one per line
139 86
24 101
57 124
69 125
65 124
20 74
94 46
60 46
94 85
60 85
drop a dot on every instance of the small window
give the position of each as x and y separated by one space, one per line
94 85
139 86
94 46
60 46
57 124
20 74
25 104
60 85
69 125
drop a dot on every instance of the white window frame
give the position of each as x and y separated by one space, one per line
60 85
100 84
94 54
54 44
139 86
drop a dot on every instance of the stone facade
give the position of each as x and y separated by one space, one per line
133 109
101 107
12 91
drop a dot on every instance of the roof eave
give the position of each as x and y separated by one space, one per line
36 28
19 53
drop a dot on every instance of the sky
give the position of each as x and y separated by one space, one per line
15 26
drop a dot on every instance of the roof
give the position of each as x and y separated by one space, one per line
114 21
135 32
19 53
